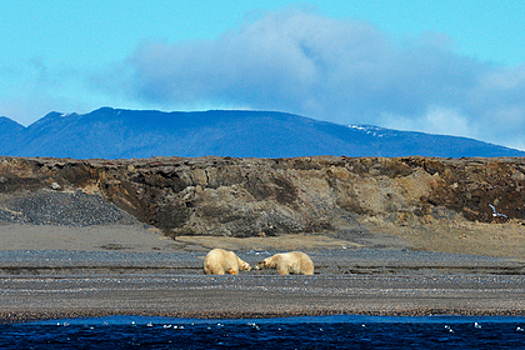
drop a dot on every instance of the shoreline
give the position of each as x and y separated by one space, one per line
17 318
49 272
29 298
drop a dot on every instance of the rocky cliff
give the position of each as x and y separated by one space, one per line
268 197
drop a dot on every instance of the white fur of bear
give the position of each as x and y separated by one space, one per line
220 262
287 263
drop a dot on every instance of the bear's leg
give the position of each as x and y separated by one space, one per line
283 270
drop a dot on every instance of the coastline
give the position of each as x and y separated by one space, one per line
191 296
132 270
396 236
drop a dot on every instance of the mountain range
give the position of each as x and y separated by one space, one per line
109 133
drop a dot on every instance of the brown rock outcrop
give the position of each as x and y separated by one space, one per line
266 197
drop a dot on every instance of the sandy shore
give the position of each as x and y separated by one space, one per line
60 271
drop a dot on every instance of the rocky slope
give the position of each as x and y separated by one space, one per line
239 197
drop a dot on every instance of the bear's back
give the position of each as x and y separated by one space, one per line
300 263
220 261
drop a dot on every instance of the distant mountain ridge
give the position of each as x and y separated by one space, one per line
117 133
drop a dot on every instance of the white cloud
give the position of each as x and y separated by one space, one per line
436 120
343 71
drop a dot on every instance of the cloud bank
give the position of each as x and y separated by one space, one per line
344 71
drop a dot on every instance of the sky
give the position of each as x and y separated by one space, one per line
442 67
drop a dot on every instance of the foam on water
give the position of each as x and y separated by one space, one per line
123 320
326 332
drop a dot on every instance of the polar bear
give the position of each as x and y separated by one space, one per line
220 262
287 263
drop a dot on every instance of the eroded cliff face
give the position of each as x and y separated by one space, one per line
267 197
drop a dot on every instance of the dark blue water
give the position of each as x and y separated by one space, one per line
328 332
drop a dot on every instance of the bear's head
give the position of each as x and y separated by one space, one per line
263 264
243 265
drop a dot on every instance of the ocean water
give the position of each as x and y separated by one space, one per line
326 332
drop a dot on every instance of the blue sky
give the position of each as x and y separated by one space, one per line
449 67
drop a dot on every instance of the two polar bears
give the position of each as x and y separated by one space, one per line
220 262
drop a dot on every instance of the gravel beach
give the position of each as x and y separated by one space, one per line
71 265
145 274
